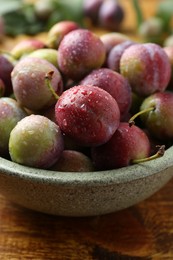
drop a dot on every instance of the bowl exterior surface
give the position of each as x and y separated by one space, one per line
83 194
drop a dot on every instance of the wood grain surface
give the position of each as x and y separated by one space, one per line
144 231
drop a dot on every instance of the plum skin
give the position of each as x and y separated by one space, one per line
47 54
88 114
112 39
2 88
73 161
29 85
25 47
122 148
159 121
115 84
10 114
6 68
169 52
147 68
79 52
36 141
110 15
91 9
114 56
58 31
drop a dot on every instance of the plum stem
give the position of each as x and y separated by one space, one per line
48 78
131 120
139 15
158 154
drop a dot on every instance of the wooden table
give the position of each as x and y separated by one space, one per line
144 231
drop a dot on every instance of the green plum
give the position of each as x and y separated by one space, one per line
36 141
10 114
158 119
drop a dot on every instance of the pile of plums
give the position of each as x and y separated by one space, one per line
108 14
83 102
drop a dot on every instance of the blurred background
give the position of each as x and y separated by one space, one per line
136 18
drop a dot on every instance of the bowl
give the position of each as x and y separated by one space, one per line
84 194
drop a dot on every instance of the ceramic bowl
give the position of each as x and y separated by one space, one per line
84 194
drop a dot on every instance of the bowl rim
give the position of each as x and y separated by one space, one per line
121 175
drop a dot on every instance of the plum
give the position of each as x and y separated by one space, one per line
58 31
29 84
43 9
2 88
80 52
49 113
112 39
73 161
147 68
88 114
151 30
128 143
168 41
47 54
36 141
169 52
6 68
114 83
71 144
91 10
25 47
158 120
111 15
10 114
114 56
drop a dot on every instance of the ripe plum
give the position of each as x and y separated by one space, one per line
114 56
58 31
91 9
88 114
80 52
25 47
2 88
114 83
147 68
111 15
112 39
29 84
73 161
122 148
169 52
6 68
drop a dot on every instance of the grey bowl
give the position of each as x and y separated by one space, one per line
84 194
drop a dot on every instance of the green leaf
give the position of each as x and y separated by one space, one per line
165 12
21 18
69 10
165 8
22 22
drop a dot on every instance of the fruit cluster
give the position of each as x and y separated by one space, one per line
107 14
69 103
